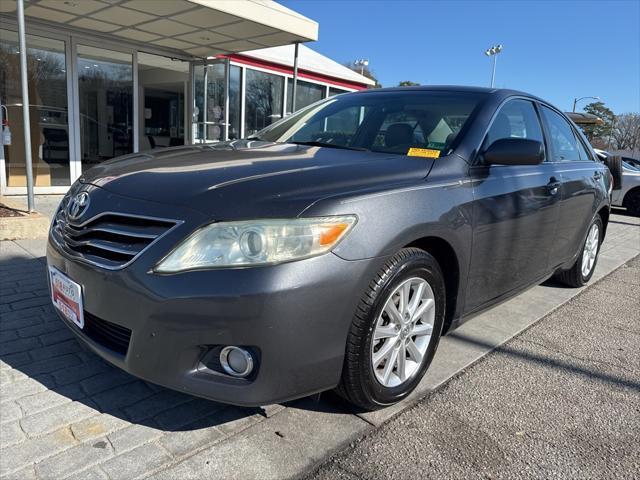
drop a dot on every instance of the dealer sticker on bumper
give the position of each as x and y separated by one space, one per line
66 296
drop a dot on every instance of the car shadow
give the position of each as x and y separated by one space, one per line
37 347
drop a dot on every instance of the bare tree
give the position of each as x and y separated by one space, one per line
364 70
626 132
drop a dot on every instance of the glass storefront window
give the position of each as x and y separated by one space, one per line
210 102
336 91
306 93
105 87
235 82
214 109
263 100
162 83
48 110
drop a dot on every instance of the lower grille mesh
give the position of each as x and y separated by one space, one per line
112 336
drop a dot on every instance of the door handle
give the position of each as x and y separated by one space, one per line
553 185
597 175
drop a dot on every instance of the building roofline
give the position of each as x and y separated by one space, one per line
302 73
310 61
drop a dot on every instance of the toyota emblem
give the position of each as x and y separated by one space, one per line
78 205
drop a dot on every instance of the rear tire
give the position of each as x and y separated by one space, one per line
371 378
614 163
582 270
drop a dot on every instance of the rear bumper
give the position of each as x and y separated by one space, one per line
295 315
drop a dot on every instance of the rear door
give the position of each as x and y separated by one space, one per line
515 213
579 175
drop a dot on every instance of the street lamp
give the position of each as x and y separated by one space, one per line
493 52
362 63
576 100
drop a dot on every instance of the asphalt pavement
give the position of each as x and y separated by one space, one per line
561 400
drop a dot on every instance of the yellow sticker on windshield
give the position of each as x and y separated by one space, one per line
423 152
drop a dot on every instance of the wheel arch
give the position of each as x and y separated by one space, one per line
604 213
446 256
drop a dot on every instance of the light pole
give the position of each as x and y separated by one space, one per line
362 63
576 100
493 52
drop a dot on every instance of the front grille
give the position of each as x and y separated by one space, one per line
110 240
112 336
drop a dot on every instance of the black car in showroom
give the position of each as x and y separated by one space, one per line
330 250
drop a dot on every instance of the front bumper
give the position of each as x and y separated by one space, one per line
296 315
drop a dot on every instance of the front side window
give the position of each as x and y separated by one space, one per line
388 122
563 141
516 119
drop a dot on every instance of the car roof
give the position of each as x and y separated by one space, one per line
500 93
444 88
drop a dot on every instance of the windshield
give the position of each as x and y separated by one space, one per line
388 122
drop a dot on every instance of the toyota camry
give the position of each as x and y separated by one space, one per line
332 249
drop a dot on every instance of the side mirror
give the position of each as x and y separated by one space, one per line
514 151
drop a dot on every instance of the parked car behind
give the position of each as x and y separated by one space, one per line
332 249
628 196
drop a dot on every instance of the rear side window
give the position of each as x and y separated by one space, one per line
565 145
516 119
582 150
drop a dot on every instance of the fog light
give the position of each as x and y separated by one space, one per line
236 361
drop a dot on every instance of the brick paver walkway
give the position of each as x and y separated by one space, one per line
64 411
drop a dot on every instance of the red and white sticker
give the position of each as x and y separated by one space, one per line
66 296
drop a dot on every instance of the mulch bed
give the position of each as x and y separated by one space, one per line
9 212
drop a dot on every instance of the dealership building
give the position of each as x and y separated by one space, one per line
112 77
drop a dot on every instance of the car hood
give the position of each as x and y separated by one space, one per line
247 179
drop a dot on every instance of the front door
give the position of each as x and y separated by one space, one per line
211 101
515 213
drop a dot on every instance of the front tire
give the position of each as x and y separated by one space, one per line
582 270
395 331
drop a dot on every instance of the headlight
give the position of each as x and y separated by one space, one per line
256 242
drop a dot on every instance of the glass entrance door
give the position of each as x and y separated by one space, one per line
48 112
162 89
211 102
105 87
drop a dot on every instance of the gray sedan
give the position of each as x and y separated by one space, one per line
331 250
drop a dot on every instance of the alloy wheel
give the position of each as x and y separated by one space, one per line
402 332
590 250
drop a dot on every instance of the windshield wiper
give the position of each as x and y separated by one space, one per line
330 145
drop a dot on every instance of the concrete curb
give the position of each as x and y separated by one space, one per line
27 225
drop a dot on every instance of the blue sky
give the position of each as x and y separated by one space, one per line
557 50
